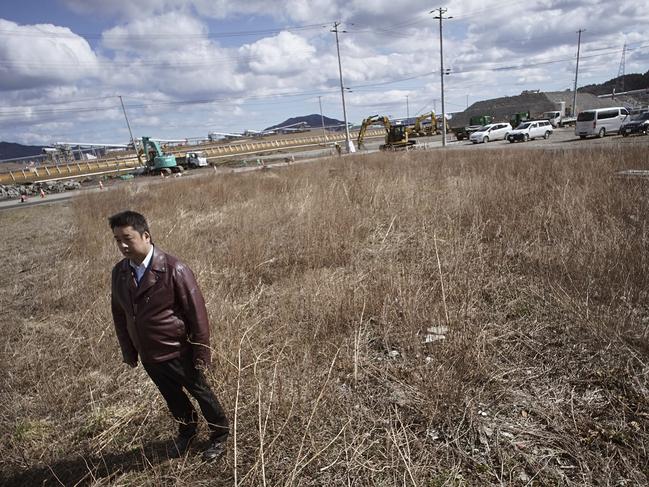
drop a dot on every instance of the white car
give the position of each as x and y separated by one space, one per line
531 130
493 131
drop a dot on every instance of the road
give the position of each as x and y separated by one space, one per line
150 180
563 138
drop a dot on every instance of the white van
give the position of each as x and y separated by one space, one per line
600 121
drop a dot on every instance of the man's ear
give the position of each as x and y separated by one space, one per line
146 235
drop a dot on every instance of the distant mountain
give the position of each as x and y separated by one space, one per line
313 121
9 150
628 81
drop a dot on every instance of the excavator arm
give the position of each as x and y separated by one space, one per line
419 131
369 121
396 136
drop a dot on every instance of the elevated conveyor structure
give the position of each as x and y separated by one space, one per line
215 152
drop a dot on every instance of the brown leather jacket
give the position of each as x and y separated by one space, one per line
164 316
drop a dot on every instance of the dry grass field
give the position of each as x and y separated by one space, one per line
429 319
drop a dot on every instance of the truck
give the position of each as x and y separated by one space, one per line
558 117
475 123
517 118
193 160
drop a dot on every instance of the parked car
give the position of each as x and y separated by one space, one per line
639 124
493 131
530 131
600 122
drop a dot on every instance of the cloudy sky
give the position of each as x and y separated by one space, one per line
188 67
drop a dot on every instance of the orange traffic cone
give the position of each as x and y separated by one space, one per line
42 193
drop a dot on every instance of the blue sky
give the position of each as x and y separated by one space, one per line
188 67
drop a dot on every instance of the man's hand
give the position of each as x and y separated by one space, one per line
199 364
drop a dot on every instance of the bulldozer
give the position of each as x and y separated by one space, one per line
396 136
157 161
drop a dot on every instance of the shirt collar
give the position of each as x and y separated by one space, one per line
145 262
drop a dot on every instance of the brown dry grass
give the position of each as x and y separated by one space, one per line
322 282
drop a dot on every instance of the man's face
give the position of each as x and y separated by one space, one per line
131 244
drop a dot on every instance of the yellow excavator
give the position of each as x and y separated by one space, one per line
396 136
420 130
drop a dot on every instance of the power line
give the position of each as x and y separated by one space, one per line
23 33
166 64
243 99
247 99
61 102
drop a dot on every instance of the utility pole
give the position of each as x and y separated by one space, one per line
574 95
407 110
137 153
324 132
342 88
619 82
441 11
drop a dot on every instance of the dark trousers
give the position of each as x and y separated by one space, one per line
174 375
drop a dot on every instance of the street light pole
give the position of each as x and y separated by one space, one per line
342 88
441 17
407 110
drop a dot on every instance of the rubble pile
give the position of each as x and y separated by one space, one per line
49 187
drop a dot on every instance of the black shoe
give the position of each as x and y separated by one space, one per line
214 450
180 446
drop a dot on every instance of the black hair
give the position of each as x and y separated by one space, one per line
129 218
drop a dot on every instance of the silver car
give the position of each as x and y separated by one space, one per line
493 131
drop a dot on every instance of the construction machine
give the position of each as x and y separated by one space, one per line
157 161
517 118
475 123
396 136
420 130
427 130
192 160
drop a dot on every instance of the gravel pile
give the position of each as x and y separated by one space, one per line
15 190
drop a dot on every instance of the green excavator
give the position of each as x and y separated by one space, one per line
157 162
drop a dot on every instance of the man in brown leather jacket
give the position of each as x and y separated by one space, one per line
160 317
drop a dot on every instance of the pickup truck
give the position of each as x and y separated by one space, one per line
556 119
193 160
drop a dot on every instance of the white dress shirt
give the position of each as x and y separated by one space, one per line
141 269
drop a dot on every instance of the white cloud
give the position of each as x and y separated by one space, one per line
42 55
123 8
170 54
155 35
166 50
283 54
